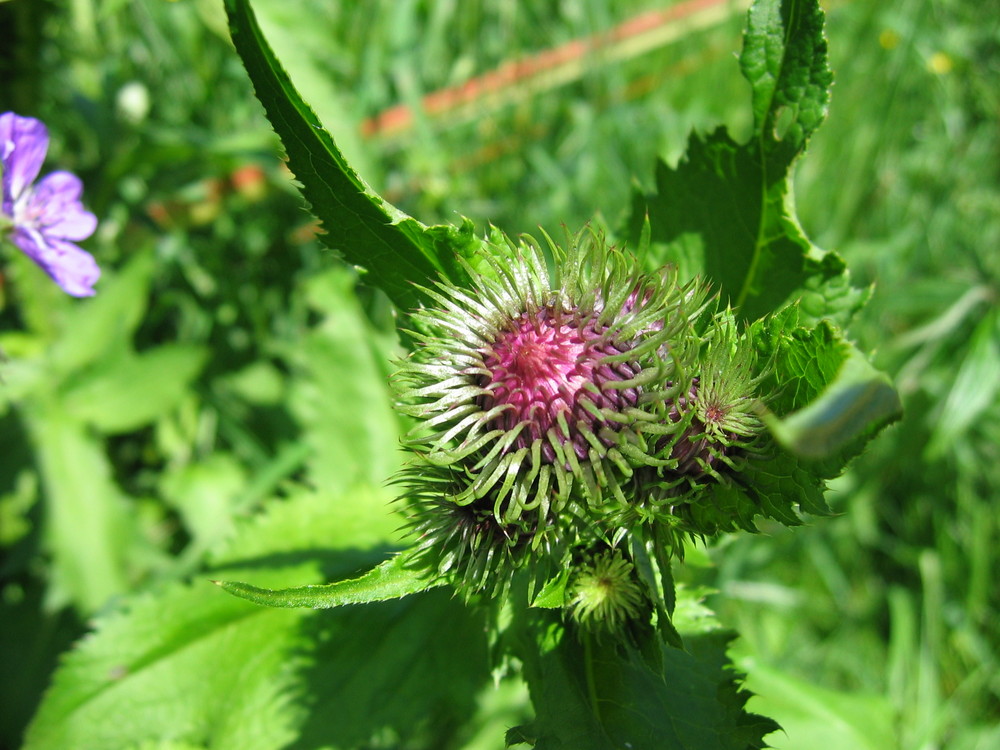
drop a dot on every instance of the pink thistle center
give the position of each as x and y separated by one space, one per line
540 367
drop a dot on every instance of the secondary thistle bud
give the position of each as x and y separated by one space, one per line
722 402
604 592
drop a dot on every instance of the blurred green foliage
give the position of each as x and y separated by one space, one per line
224 359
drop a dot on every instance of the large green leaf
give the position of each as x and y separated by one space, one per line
785 60
857 402
394 248
190 666
725 210
598 694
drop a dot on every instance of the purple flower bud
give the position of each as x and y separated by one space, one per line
47 218
544 394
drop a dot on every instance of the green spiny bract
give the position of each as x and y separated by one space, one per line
562 400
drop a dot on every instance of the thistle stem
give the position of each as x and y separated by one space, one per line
588 667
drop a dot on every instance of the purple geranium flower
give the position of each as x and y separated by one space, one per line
47 218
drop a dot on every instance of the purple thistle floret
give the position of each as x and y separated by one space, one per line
48 218
540 368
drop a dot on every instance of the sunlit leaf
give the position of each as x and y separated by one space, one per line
725 211
190 662
369 232
392 579
785 60
857 402
553 593
828 400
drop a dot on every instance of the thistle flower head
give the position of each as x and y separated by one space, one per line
547 393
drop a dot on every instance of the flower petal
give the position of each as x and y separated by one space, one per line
71 267
23 144
56 203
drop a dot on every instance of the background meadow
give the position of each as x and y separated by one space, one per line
227 385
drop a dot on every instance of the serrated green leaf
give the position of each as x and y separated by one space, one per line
391 579
126 392
394 248
715 212
779 481
802 359
829 400
858 401
191 665
785 60
356 520
725 211
772 483
591 694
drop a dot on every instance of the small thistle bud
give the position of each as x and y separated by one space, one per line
552 404
722 402
604 593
